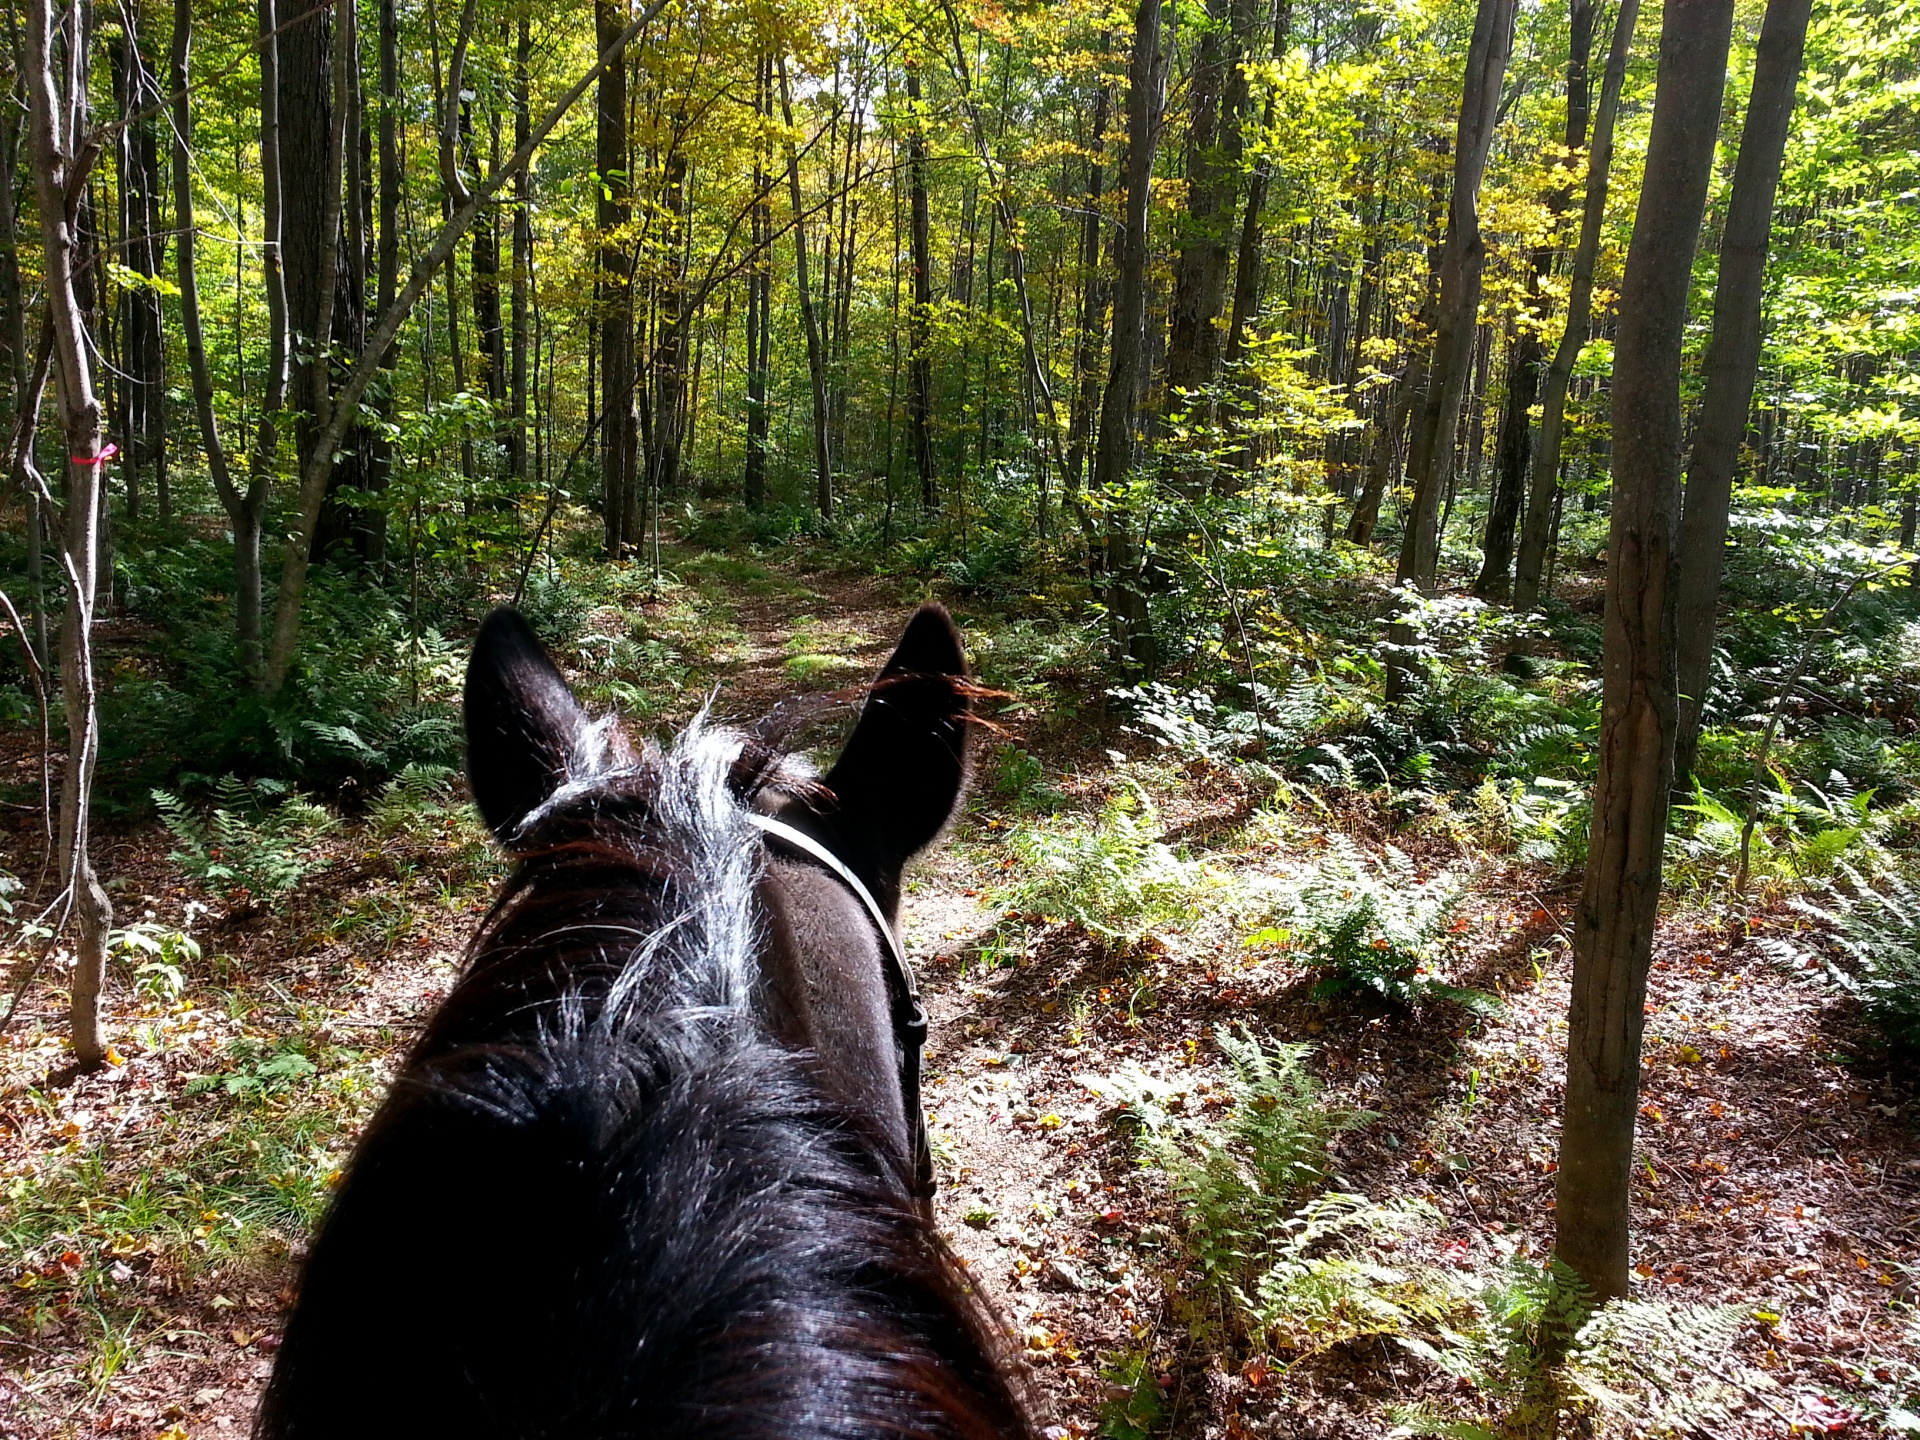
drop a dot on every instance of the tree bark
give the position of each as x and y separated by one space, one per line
61 155
1733 357
809 317
1113 458
1543 481
1527 355
1431 451
920 311
1619 902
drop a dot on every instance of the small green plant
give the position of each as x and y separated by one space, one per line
1370 926
1112 876
160 958
1875 928
1135 1406
254 844
414 802
259 1071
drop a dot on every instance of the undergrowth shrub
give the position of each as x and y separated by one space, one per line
253 843
1111 875
1369 926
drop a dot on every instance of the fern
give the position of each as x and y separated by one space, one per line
1875 930
1113 877
413 801
253 843
1368 926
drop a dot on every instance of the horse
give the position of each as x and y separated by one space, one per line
656 1166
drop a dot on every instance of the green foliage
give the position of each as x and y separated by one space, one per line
161 957
1874 930
1373 927
253 843
1111 875
1135 1407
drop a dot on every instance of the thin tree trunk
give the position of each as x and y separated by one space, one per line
1733 357
249 617
920 312
1093 309
1527 355
1620 900
143 343
809 319
1431 452
1113 457
618 433
1544 462
1527 358
522 253
60 158
759 286
245 509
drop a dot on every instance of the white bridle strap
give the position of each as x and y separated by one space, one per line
909 1015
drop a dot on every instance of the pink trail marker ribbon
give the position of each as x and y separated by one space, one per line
107 453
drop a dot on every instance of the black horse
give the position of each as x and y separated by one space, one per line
656 1168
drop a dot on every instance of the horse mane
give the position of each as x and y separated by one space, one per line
602 1200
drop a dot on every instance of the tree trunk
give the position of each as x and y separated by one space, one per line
1093 308
1431 452
1733 357
345 406
1620 900
249 618
1526 359
1543 479
809 318
1113 458
522 254
759 286
619 434
1216 100
57 126
143 345
920 312
245 509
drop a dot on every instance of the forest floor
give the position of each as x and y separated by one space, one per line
152 1212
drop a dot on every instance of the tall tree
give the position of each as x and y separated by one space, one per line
1543 477
1462 262
1526 356
1113 459
1216 102
522 251
759 291
619 426
920 311
1620 899
60 153
245 508
143 344
809 315
1733 356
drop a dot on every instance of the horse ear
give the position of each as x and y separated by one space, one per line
525 732
902 772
